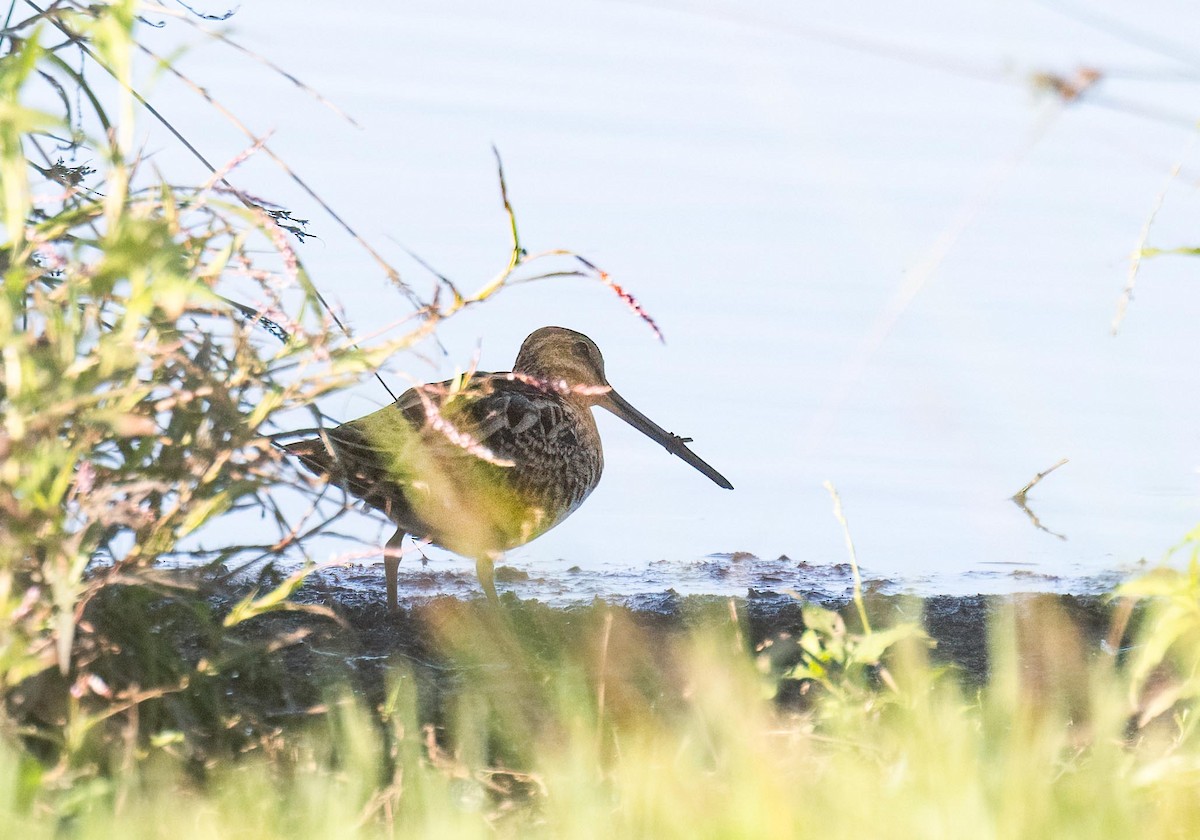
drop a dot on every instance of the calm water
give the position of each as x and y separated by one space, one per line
878 255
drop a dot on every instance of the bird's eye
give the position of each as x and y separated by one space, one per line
582 351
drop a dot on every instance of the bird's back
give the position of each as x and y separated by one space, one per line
479 469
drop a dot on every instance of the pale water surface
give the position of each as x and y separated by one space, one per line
879 257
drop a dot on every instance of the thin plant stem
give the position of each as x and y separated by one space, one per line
841 518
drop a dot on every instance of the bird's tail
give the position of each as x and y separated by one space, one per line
313 454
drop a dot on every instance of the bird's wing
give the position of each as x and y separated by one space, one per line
491 417
508 415
356 454
489 412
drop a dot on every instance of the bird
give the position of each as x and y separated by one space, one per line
485 462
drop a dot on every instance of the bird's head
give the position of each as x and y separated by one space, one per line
556 353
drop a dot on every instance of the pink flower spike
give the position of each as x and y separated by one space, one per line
629 299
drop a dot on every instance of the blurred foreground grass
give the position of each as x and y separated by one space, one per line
545 722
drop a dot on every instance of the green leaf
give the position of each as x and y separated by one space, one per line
871 647
277 599
823 621
204 510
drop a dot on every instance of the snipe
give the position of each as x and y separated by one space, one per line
488 462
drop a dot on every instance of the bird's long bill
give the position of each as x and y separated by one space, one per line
676 445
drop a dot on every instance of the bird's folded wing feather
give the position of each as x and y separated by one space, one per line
497 418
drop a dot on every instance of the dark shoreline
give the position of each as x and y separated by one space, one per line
368 637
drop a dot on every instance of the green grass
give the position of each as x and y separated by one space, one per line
580 723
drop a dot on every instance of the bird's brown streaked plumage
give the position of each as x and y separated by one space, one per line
489 463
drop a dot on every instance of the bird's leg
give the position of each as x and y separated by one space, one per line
485 571
391 565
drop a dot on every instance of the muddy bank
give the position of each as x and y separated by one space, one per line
366 640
